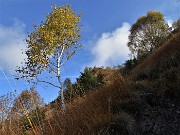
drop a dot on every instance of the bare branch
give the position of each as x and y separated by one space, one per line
50 84
51 68
53 64
63 62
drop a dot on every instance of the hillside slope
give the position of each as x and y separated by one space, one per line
161 70
144 103
156 82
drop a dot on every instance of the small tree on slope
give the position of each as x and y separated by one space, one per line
50 45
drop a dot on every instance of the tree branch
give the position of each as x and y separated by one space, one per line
50 84
67 58
51 68
63 62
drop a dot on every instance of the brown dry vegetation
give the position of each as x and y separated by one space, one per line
122 106
160 72
165 57
93 113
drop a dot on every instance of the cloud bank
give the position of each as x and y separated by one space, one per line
111 46
12 44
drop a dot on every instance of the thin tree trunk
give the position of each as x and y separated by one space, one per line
59 77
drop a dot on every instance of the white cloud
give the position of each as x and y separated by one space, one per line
170 22
111 46
11 45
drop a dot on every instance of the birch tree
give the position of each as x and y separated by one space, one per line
28 100
51 44
147 33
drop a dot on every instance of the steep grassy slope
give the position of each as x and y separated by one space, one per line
95 112
145 103
156 83
160 72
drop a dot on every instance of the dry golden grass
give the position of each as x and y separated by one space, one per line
166 56
160 72
92 114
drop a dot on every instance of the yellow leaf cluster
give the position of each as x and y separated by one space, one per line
60 30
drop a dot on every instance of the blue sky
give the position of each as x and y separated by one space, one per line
105 33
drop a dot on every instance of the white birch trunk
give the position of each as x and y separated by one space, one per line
59 77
